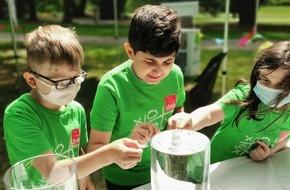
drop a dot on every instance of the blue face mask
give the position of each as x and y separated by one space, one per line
267 95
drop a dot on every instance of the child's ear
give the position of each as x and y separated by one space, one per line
129 50
29 79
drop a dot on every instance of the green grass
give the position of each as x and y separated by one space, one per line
270 15
272 23
101 58
102 30
81 29
275 15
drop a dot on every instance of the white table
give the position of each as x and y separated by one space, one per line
244 174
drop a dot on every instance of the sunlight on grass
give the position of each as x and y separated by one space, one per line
238 66
205 18
266 15
275 15
100 59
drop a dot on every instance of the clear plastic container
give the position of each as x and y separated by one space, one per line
180 159
44 172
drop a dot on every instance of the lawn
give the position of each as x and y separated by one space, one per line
274 15
272 23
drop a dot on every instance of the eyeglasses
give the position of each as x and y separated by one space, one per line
61 84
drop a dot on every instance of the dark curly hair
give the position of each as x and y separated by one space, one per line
155 29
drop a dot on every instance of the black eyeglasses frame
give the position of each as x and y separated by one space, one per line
56 82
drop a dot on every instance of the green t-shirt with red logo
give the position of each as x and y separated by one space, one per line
31 129
122 101
231 141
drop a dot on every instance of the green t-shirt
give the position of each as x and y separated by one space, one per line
231 141
122 101
31 129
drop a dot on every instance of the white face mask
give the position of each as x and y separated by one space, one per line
267 95
60 96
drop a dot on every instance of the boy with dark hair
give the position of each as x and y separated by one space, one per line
137 97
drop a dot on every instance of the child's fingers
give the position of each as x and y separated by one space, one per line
149 130
130 143
182 123
262 145
153 129
260 152
171 124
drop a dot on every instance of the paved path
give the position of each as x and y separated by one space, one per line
207 44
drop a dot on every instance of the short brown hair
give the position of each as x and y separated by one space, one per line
53 44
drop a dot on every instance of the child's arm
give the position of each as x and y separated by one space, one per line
86 182
198 119
144 132
125 152
279 146
262 151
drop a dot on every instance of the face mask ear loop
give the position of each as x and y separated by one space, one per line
47 85
36 83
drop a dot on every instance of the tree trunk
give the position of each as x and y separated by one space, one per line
67 11
79 10
31 10
20 8
246 9
3 9
107 9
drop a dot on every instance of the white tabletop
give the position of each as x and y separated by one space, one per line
244 174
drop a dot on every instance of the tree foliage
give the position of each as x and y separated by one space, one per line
278 2
131 5
212 6
27 9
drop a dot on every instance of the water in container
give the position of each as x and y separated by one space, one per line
180 159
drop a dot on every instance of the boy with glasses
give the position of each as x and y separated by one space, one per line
48 120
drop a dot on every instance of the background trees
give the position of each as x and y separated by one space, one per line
245 10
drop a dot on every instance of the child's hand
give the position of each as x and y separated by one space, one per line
144 132
180 120
126 152
261 152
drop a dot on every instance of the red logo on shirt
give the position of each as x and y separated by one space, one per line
170 102
75 137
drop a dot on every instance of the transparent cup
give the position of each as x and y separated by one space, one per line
43 172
